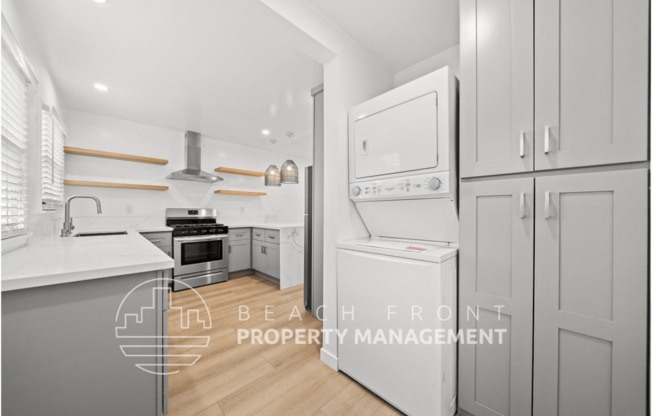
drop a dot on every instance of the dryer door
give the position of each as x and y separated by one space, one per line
398 139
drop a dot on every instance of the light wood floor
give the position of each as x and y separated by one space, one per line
232 379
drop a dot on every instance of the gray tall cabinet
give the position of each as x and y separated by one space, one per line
554 206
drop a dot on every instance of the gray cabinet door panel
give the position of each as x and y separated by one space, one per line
496 106
239 255
259 260
590 349
273 260
496 277
591 82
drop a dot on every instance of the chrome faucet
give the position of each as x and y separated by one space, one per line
66 231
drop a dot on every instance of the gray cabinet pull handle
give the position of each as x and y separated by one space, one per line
229 249
262 249
521 152
521 209
546 139
546 205
239 235
156 241
364 147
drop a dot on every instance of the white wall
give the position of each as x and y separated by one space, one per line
41 224
351 76
283 204
450 57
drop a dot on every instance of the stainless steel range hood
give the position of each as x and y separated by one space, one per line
193 171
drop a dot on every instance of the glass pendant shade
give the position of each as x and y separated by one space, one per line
289 172
272 176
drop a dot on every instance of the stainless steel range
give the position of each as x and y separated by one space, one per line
199 247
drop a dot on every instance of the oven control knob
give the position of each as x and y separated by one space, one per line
356 190
434 183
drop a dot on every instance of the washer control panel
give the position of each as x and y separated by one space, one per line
417 186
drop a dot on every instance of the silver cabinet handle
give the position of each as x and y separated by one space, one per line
229 249
521 152
546 205
262 249
364 147
156 241
546 139
239 235
521 209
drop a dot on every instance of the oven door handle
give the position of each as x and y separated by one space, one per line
202 238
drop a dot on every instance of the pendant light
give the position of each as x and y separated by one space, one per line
272 174
289 170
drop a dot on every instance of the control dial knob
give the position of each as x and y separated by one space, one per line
356 190
434 183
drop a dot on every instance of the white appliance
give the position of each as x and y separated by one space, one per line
403 182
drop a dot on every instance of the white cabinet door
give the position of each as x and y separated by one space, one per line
591 303
398 139
496 283
591 82
497 92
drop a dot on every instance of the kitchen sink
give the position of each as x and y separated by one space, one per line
99 233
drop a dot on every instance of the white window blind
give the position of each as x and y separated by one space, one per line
53 135
14 147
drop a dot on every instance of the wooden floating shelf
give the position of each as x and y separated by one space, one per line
239 171
227 192
71 182
110 155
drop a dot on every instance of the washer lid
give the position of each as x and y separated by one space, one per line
430 252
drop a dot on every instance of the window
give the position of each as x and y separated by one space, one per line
14 149
53 135
16 77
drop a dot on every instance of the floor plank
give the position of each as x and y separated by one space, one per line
233 379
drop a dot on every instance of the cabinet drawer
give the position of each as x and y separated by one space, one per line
259 234
237 234
163 239
272 236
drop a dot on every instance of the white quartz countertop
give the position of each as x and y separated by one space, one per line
269 226
58 260
153 229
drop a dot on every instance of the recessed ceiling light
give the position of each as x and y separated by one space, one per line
101 87
265 132
100 1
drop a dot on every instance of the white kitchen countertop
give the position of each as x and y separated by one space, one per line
153 229
269 226
58 260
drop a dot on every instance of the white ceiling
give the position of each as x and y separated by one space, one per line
227 68
399 33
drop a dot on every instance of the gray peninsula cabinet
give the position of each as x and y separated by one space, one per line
62 353
554 203
256 249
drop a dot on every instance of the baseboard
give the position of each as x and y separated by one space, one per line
328 359
461 412
241 273
266 276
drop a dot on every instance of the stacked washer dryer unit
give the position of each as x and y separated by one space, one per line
403 278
